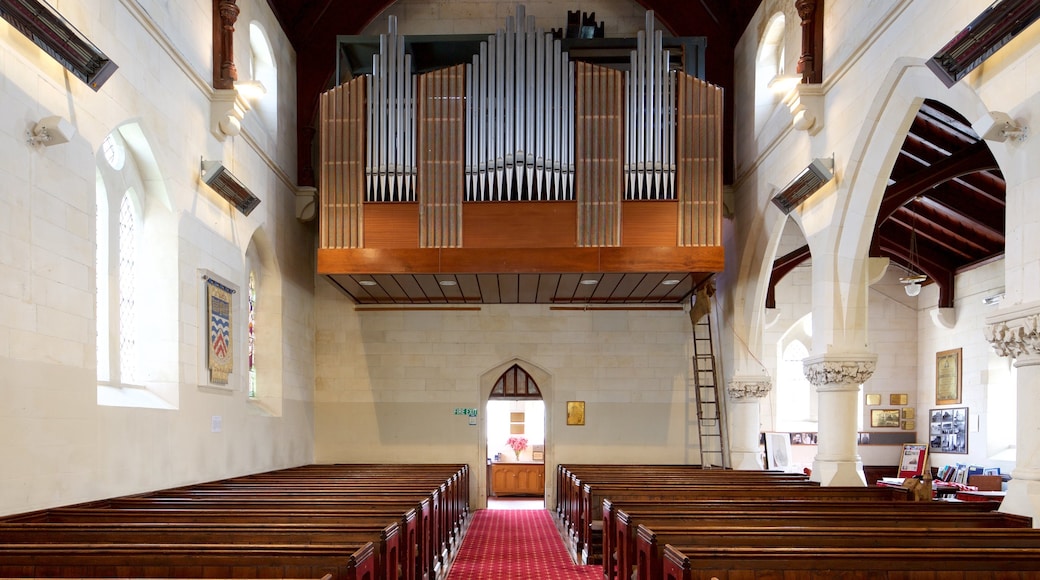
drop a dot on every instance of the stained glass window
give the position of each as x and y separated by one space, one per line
252 334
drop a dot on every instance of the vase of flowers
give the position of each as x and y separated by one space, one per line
517 444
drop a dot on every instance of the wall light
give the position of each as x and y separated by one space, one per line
52 130
999 127
807 182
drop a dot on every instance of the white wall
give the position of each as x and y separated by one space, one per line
60 446
388 382
982 369
872 74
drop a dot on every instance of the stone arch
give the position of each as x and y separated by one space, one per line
899 96
487 382
260 256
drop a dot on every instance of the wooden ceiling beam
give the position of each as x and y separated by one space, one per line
783 266
977 157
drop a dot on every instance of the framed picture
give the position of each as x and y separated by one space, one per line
897 399
908 412
575 412
909 424
778 451
873 399
912 461
948 377
948 430
884 417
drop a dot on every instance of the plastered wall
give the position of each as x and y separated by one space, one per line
59 445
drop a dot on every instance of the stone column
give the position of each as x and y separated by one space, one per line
837 379
1015 332
742 414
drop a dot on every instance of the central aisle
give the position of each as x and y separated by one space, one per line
516 545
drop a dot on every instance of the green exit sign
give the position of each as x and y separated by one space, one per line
465 411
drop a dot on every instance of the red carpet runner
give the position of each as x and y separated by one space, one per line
516 545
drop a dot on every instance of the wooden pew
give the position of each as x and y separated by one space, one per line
409 542
588 546
652 535
323 504
571 478
384 538
134 560
620 521
850 563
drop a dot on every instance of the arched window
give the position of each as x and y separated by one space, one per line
252 334
134 366
263 68
770 70
796 403
127 274
116 288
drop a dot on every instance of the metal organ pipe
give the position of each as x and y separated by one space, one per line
650 158
520 110
390 160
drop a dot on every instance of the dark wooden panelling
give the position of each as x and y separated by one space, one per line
544 224
649 223
489 288
391 225
548 285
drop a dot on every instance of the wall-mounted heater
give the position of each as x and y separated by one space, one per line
51 32
994 28
229 187
807 182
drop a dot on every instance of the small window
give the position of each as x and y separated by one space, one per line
127 285
252 334
114 152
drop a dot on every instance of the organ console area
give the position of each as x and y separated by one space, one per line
525 165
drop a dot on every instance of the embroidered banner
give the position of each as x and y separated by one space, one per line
221 358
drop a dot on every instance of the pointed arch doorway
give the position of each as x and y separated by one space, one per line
516 407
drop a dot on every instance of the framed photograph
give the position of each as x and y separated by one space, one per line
948 377
897 399
778 451
948 430
873 399
575 412
912 461
884 418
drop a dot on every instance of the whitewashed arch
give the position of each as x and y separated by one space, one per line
261 259
865 177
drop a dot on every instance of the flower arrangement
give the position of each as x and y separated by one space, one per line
517 444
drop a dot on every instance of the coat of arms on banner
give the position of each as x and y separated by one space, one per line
221 357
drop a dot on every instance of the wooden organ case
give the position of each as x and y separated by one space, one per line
526 163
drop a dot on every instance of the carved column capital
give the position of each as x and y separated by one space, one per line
1015 332
849 370
749 387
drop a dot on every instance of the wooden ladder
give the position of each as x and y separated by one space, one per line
706 397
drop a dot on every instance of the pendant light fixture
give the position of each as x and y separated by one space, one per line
912 282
